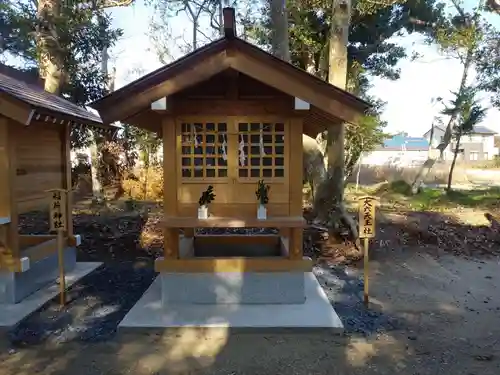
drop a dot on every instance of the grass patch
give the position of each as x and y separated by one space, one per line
487 198
395 187
397 196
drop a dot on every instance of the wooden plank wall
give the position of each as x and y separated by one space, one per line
4 169
40 164
9 250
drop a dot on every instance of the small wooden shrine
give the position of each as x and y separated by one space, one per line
34 158
231 116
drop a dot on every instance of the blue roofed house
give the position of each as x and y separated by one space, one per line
479 145
399 150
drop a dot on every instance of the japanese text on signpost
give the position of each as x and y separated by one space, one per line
58 210
367 217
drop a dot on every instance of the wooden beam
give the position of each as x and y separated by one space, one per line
229 20
188 77
42 250
295 243
232 84
171 243
66 175
188 232
4 169
233 222
7 263
236 264
281 80
9 250
148 120
29 240
170 175
295 164
15 109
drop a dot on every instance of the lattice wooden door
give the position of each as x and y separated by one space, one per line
233 153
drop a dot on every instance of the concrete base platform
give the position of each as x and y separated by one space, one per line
232 288
16 286
11 314
315 313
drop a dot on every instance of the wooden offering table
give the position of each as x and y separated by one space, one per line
258 268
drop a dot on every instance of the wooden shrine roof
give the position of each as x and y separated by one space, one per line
25 101
328 102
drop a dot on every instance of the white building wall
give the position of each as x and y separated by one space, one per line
395 158
489 146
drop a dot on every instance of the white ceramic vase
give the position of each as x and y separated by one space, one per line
262 212
203 212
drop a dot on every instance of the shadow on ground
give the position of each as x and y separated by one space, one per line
98 302
95 306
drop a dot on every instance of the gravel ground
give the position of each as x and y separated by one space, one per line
428 315
433 316
96 305
344 288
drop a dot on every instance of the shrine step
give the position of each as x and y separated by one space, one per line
315 315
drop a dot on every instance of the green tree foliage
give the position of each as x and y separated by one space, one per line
372 25
487 63
468 37
82 34
468 113
363 138
370 51
139 144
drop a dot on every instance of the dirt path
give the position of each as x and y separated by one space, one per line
448 311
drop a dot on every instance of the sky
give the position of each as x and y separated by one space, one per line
408 109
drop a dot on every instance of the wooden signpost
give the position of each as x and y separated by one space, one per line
58 224
367 207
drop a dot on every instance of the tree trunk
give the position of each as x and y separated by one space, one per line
280 45
329 204
49 50
452 167
431 136
221 17
360 161
314 169
313 162
431 160
147 162
195 35
97 192
94 168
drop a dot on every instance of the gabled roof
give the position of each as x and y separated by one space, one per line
231 53
402 143
28 76
25 100
479 129
436 127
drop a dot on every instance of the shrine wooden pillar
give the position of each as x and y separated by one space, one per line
170 174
